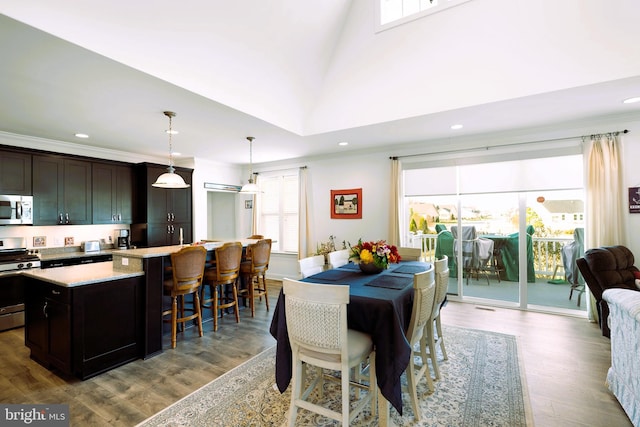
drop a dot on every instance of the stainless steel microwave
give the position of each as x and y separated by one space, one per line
16 210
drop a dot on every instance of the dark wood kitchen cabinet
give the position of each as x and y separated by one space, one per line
15 173
61 191
48 323
112 193
84 330
160 213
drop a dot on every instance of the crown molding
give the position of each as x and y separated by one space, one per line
63 147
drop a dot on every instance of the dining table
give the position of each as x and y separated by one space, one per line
379 305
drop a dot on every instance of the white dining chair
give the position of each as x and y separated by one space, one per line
311 265
409 254
433 327
332 347
338 258
424 295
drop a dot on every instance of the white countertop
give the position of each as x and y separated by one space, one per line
79 275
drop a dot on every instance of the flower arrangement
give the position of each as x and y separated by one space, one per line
379 253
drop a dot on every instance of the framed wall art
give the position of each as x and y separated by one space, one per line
634 199
346 204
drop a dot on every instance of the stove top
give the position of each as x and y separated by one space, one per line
14 256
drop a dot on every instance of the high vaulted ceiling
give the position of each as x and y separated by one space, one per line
298 76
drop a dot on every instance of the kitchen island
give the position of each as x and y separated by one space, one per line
87 319
84 319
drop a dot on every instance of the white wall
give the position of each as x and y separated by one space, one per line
372 171
480 52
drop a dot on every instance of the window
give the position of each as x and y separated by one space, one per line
278 210
394 12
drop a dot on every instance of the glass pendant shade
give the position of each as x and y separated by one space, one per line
170 179
250 188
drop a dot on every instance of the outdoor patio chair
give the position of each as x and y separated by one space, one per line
477 253
570 253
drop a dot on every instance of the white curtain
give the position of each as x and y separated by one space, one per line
304 216
394 205
605 195
255 210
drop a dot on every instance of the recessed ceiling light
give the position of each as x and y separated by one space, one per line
631 100
81 135
171 132
456 127
175 153
343 143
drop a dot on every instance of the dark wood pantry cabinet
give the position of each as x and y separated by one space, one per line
160 213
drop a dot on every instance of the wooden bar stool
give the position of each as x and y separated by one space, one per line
256 268
187 272
224 272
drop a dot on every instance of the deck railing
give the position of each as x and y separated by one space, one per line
547 252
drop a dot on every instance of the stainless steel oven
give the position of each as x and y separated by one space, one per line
14 257
16 210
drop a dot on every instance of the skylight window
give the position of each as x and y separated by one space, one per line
396 12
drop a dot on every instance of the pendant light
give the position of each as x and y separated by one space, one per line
170 179
250 187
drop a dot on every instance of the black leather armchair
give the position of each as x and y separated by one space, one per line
604 268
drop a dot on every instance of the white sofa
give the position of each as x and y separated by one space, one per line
623 378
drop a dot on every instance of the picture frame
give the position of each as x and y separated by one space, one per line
346 204
39 241
634 199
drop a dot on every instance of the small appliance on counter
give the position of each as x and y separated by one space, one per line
122 238
92 246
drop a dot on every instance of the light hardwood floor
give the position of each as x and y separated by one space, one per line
565 360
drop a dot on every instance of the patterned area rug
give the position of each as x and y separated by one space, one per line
481 384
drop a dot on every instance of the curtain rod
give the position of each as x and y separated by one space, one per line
515 144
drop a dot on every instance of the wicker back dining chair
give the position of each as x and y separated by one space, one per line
424 288
434 327
311 265
223 273
409 254
338 258
187 271
317 327
253 272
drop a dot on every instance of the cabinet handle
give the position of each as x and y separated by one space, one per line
168 216
44 309
168 229
53 291
119 217
173 216
60 219
66 218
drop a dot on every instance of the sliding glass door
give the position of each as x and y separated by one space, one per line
508 227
